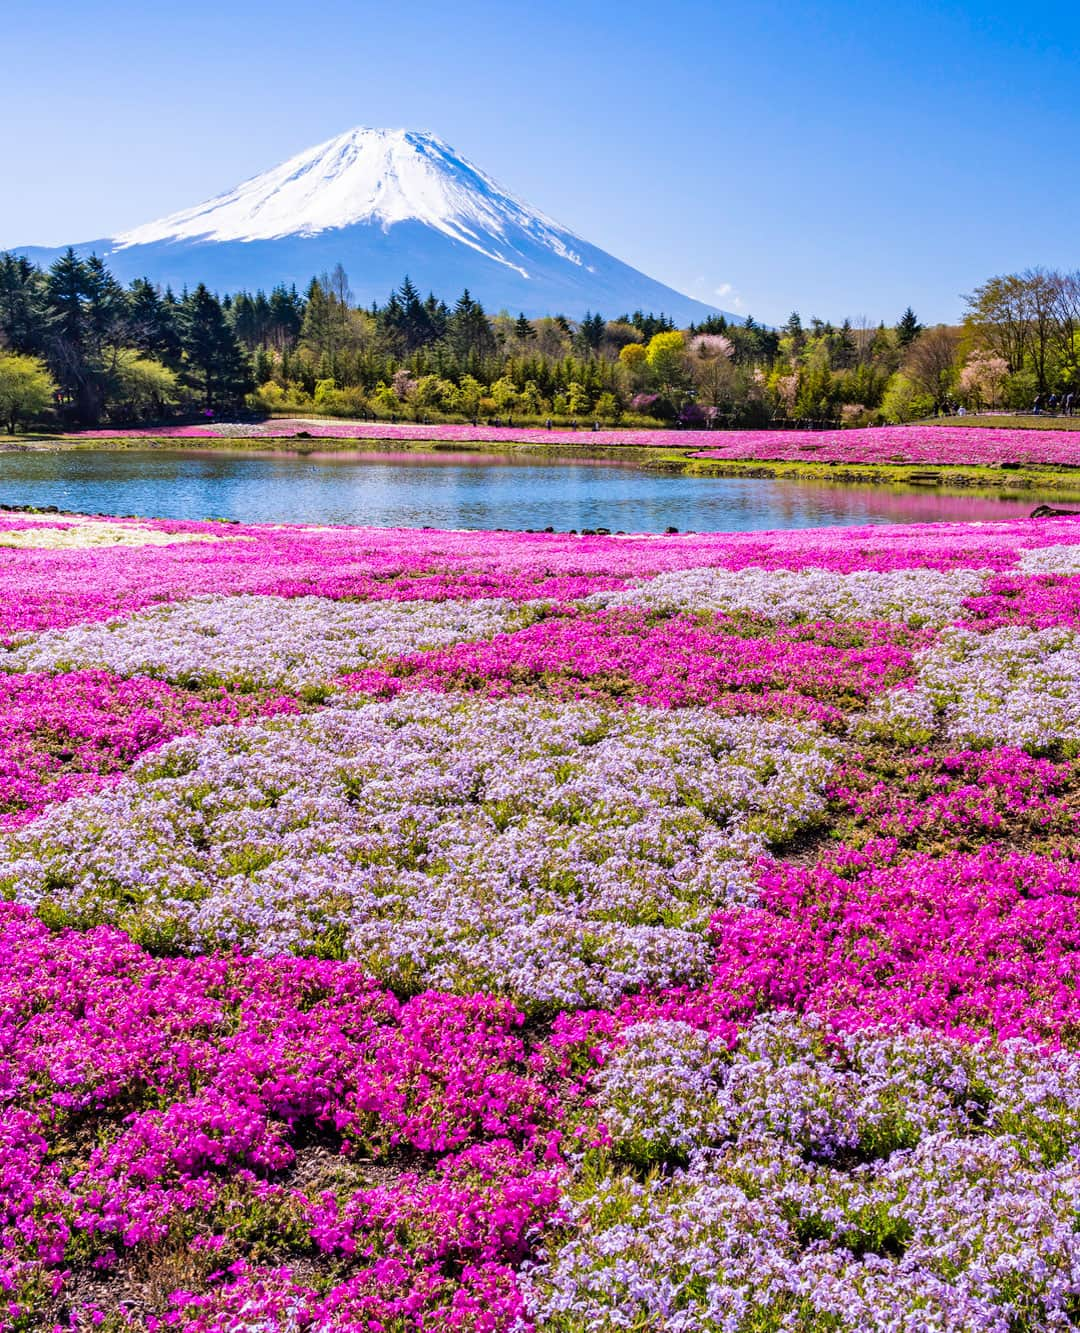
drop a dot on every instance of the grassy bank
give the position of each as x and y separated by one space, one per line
881 474
999 422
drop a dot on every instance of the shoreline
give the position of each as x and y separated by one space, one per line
686 461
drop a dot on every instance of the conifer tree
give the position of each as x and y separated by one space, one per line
214 364
286 317
24 312
151 323
908 329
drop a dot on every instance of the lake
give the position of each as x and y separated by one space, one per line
465 491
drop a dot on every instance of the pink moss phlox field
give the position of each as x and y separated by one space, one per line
42 589
218 1077
729 979
879 444
1037 600
67 735
965 445
808 670
929 800
483 1298
976 944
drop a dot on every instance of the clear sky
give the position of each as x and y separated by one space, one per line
840 158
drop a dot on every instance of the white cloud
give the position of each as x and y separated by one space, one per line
724 291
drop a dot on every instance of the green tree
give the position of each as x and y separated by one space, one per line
532 402
140 386
320 330
908 328
24 312
793 330
815 394
151 323
577 398
214 365
406 323
26 389
905 401
844 351
88 324
591 332
286 315
667 362
470 391
504 394
106 310
385 402
427 394
468 332
68 291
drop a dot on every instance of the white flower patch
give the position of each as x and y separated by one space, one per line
849 1182
84 534
1051 560
562 854
1013 686
253 641
914 596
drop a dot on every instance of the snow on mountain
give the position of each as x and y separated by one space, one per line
385 203
383 176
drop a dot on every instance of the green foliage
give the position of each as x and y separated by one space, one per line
140 386
1020 390
137 353
214 365
504 394
668 364
385 402
26 389
903 401
577 399
608 407
908 328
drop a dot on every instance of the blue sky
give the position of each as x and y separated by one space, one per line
843 159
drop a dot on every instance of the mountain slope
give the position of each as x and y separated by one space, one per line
384 203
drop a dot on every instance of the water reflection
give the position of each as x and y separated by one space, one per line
454 490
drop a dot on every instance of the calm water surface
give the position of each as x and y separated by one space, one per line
464 491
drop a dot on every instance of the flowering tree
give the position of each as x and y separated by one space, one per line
711 346
982 377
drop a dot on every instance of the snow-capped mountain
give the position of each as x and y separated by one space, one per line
384 203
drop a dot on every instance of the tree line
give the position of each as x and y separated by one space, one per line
79 348
88 348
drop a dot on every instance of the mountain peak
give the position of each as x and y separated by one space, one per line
384 202
365 175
